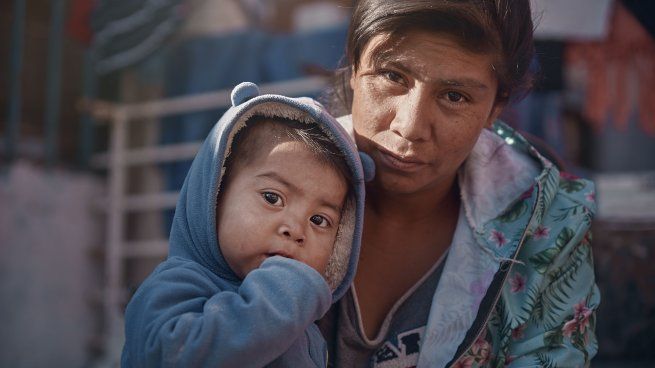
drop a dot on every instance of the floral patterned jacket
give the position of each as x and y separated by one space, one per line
531 300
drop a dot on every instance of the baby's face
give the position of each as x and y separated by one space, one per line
285 202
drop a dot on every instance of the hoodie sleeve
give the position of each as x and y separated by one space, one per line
180 318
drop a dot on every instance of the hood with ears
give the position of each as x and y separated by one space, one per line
193 233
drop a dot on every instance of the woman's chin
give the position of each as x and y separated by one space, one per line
396 183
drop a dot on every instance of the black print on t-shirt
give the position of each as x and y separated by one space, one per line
400 354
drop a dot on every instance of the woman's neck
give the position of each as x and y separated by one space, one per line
414 206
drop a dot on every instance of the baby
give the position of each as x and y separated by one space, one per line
265 237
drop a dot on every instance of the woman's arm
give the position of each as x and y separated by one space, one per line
179 318
561 328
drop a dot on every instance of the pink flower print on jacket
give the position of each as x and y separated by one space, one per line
517 333
464 362
509 359
580 321
568 175
590 197
517 282
498 238
570 328
527 194
479 354
582 314
481 351
542 232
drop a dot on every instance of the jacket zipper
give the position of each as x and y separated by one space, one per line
500 291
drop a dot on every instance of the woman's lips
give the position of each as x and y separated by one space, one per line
406 164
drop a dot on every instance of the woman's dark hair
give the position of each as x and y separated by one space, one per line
502 28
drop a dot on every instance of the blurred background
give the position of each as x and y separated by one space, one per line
104 103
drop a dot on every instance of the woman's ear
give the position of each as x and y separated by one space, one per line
495 113
352 77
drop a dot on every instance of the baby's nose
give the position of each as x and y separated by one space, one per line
299 240
293 232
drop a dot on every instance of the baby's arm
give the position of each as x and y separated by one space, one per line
181 319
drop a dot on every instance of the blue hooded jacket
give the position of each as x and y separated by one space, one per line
194 311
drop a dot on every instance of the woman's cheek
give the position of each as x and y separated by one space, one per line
364 116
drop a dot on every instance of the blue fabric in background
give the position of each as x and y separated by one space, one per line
203 65
213 63
540 114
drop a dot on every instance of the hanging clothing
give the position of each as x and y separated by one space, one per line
616 75
78 23
127 31
565 19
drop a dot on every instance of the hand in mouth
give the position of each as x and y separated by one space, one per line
279 253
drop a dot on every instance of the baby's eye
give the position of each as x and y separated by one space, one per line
319 221
272 198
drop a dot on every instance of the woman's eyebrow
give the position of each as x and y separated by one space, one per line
463 82
452 82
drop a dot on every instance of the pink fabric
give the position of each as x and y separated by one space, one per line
78 26
616 68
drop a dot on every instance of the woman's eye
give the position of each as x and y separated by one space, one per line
272 198
455 97
393 76
319 221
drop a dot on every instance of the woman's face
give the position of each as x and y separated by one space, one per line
420 109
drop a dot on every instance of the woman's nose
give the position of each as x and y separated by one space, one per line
292 230
413 116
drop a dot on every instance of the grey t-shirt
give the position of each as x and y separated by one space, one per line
398 341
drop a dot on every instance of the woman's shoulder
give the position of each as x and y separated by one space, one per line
558 186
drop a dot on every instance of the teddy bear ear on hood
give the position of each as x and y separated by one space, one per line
243 92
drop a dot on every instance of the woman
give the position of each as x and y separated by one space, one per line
476 248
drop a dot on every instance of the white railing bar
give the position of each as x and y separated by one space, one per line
146 249
115 223
148 202
155 154
141 202
198 102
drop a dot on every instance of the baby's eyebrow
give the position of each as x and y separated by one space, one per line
332 206
275 176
